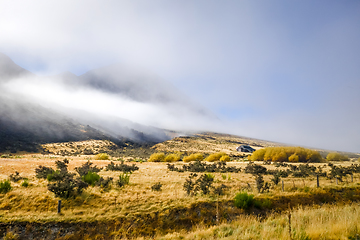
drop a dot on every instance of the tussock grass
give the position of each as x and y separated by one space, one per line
325 222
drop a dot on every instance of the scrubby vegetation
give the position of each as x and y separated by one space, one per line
165 197
286 154
204 167
121 167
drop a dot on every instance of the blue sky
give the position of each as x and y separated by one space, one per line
287 71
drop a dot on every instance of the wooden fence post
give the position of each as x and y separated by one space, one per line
59 207
282 185
317 181
289 215
336 180
217 211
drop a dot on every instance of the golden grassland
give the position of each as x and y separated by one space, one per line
316 222
36 203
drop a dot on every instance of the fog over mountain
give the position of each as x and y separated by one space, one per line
115 102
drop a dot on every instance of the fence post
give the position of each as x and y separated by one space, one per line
289 215
217 211
317 181
336 180
59 207
352 177
282 185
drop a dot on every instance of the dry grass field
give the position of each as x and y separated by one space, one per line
135 209
136 198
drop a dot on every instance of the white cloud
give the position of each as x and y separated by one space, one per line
275 60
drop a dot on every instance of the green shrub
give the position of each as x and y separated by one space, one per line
157 157
193 157
124 179
243 200
215 157
5 186
334 156
172 158
25 183
91 178
102 156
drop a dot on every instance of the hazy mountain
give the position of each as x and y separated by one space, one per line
105 103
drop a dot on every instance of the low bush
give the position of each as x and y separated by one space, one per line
193 157
102 156
156 187
243 200
15 177
157 157
91 178
25 183
334 156
121 167
255 169
104 183
5 186
198 166
123 180
172 157
215 157
203 184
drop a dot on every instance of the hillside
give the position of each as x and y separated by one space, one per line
216 142
126 106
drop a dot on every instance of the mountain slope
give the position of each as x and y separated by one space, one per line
115 103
